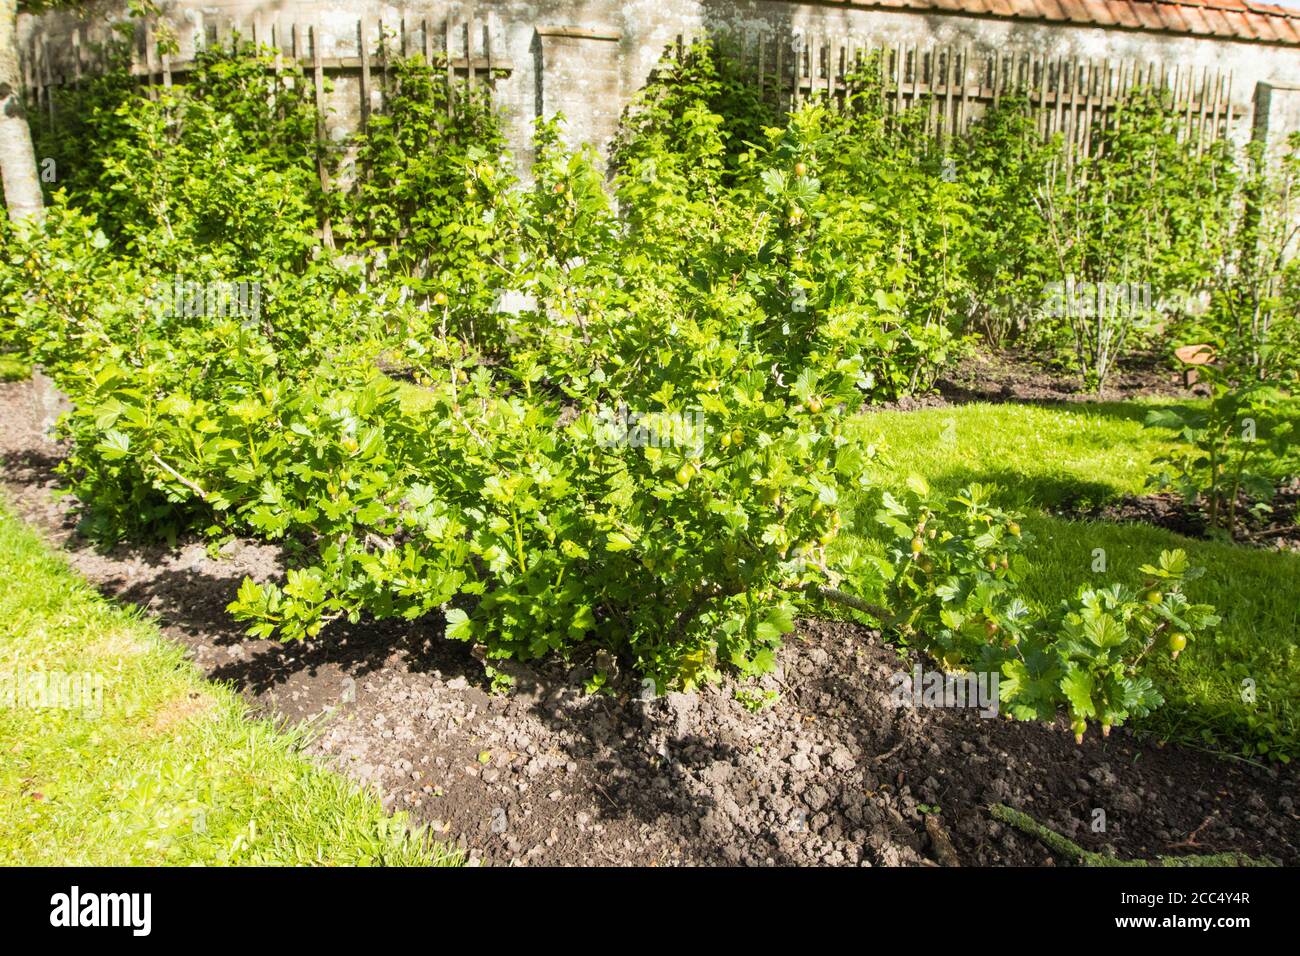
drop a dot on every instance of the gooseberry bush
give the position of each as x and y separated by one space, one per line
421 417
952 573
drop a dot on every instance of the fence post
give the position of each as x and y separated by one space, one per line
363 33
318 72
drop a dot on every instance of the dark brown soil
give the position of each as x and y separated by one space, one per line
1277 528
1022 376
832 773
1163 510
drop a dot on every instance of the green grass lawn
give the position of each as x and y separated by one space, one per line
1039 455
1043 457
133 758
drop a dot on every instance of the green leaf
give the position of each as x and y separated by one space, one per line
618 541
1077 685
459 627
115 445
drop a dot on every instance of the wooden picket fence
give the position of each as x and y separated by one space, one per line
463 46
1070 96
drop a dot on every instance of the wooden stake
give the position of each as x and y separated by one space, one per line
798 69
965 90
318 74
780 71
471 66
76 57
451 75
949 124
363 31
1042 98
900 66
149 51
1204 102
1218 99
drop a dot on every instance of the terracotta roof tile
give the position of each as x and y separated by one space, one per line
1171 16
1196 21
1147 15
1075 11
1236 19
1098 12
1239 24
1024 9
1286 29
1259 23
1123 11
1051 9
1218 22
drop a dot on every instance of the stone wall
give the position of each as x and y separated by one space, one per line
586 59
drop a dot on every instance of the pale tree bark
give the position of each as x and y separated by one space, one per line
17 157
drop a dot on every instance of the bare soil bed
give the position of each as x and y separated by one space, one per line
1026 376
833 773
1277 528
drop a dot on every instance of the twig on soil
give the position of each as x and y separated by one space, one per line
1190 842
881 758
1076 854
1223 753
605 794
1275 532
944 851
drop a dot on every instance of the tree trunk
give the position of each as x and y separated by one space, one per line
17 158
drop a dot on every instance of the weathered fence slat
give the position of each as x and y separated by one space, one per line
1075 98
363 32
479 62
451 70
318 77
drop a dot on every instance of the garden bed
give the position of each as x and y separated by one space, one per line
1278 528
831 773
1023 376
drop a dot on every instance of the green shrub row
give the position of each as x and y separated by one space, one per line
570 416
